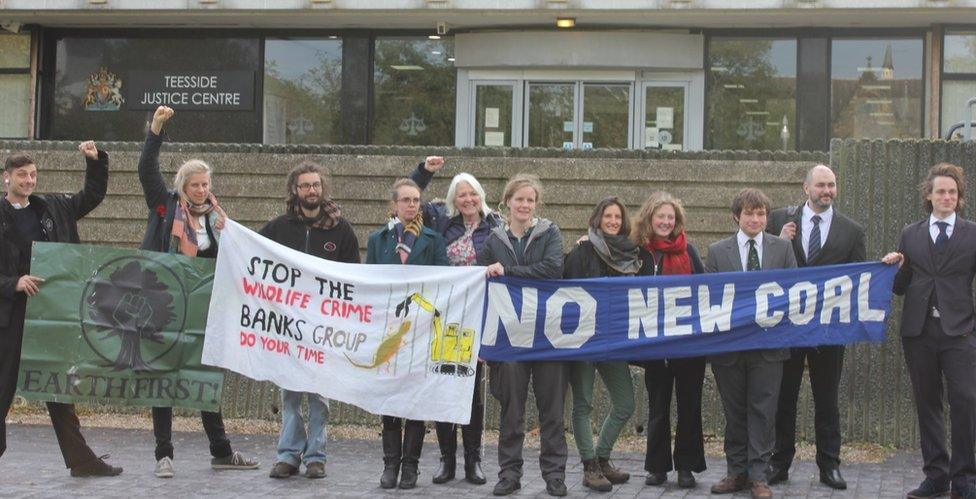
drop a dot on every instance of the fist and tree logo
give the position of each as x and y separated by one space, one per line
128 305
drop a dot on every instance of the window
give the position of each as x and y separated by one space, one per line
876 88
302 78
15 88
413 91
106 88
958 76
751 94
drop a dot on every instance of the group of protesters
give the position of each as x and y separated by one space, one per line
758 388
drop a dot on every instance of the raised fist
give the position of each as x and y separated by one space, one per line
433 163
88 149
160 117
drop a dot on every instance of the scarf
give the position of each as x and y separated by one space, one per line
675 250
329 214
186 224
618 252
407 234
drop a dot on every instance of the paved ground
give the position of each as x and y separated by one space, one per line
32 467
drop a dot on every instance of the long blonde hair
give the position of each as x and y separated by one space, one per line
643 230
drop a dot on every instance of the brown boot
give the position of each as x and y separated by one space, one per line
730 484
761 491
593 478
613 474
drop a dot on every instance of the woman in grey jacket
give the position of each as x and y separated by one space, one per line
527 246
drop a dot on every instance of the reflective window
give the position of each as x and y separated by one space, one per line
552 115
15 91
493 115
958 77
106 88
413 91
876 88
751 100
302 78
664 117
606 113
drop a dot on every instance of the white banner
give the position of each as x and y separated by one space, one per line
396 340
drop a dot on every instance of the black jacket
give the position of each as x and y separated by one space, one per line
59 215
542 258
338 243
844 244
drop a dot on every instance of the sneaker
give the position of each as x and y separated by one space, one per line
164 468
315 470
556 487
235 461
282 470
98 467
506 486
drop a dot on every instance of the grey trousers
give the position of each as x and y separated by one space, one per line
509 383
749 389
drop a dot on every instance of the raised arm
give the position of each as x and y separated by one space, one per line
96 180
153 186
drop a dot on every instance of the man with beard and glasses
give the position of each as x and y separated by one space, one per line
820 236
312 224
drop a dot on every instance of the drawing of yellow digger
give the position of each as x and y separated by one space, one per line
450 349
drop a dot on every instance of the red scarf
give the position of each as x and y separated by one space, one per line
675 250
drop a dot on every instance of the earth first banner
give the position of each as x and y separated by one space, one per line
118 326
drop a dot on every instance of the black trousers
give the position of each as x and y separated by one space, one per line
213 425
826 364
930 357
471 432
67 428
684 378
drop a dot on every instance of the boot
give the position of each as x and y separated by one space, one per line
473 473
447 441
593 478
391 458
413 442
613 474
445 472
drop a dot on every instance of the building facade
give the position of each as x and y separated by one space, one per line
667 74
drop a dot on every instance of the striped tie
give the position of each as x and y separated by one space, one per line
813 248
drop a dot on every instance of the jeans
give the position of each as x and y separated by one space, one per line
295 446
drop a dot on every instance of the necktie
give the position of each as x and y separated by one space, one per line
752 262
943 238
813 246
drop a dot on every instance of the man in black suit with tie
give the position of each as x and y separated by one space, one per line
820 236
748 381
937 264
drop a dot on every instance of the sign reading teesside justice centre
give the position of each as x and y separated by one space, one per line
191 90
636 318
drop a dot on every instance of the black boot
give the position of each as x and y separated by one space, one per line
473 473
413 442
391 455
445 472
447 441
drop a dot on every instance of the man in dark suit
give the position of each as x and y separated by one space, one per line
820 236
749 381
937 264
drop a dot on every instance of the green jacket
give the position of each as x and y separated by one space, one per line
428 249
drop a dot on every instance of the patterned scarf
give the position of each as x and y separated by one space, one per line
407 234
618 252
186 223
675 250
329 214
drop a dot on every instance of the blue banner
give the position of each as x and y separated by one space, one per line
641 318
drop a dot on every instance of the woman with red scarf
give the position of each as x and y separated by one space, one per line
659 230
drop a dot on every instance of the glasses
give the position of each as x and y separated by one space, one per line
409 201
306 186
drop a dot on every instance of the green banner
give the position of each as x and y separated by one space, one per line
118 326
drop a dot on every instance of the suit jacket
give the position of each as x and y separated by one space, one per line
723 256
951 277
844 243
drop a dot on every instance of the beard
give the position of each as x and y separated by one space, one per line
310 203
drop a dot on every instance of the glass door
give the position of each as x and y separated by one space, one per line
551 115
664 111
606 115
494 123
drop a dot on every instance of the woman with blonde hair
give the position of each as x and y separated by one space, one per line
659 230
465 221
527 246
404 240
185 220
